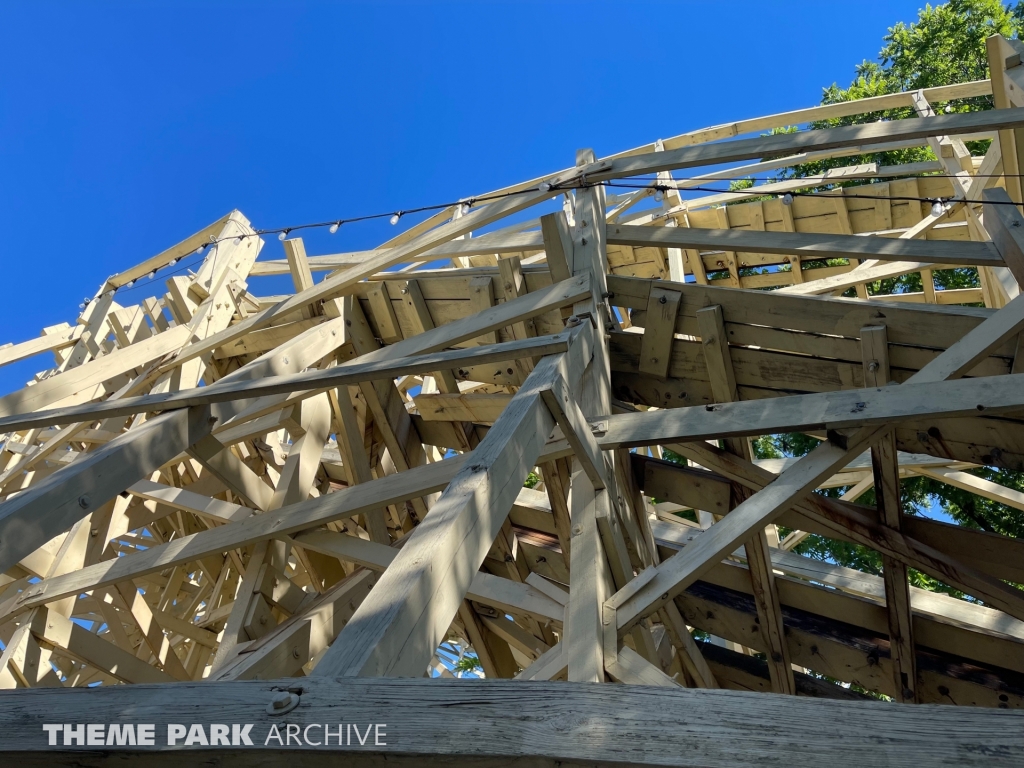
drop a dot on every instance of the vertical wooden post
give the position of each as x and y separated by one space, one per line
766 596
885 467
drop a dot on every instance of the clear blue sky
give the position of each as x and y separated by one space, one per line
125 127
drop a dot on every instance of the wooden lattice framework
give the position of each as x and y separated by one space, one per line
213 489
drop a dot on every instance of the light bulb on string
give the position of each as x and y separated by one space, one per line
938 207
129 284
151 275
948 108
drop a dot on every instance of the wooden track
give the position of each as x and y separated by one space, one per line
212 485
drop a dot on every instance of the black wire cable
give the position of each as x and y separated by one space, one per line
336 224
752 177
753 191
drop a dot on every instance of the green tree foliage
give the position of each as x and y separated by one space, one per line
945 45
468 663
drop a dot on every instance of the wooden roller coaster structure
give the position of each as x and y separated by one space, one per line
218 502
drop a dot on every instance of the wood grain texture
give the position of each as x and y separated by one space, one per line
536 723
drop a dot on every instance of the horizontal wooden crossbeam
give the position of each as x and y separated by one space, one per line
810 246
496 721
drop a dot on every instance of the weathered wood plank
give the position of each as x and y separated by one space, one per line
807 245
498 725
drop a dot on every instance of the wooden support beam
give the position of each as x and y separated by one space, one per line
241 617
807 413
630 667
298 264
54 629
857 278
493 652
717 607
303 460
292 644
557 245
153 633
295 482
693 658
356 462
591 579
577 431
25 662
58 338
382 396
53 505
501 594
336 506
396 633
556 476
491 728
416 310
658 585
803 141
886 470
383 311
1004 223
235 474
189 501
516 637
722 215
769 610
184 248
590 586
1011 140
887 492
481 297
76 383
659 332
551 666
847 522
310 382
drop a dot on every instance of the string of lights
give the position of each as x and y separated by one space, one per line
755 177
939 204
332 227
939 207
393 216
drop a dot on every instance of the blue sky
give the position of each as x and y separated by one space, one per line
125 127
